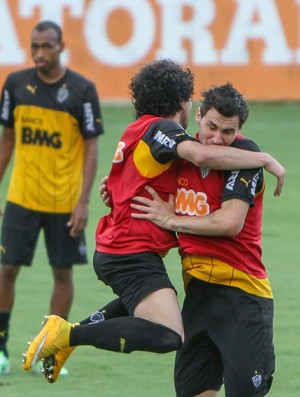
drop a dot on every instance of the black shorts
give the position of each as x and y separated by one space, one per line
132 277
228 338
20 231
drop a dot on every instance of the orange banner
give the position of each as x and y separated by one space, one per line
255 44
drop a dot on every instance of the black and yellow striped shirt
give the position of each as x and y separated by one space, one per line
51 122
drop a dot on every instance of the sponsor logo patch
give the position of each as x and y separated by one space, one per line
256 380
62 94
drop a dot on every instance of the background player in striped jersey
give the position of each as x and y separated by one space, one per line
51 116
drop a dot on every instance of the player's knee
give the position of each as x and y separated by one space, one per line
170 340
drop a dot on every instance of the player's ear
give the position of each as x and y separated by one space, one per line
198 115
62 46
182 106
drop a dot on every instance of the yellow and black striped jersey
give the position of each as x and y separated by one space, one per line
51 122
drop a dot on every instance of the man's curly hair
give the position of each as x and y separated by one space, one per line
160 88
226 100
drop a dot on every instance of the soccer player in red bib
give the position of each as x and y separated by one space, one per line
228 307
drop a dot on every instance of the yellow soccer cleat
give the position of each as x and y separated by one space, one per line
40 369
53 365
54 336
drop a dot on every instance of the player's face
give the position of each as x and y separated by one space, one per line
185 114
215 129
46 50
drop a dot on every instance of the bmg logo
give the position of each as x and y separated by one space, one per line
41 137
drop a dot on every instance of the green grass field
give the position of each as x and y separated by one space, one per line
275 127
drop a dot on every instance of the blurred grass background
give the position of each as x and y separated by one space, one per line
275 128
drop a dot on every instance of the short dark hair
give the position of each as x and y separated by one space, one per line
227 100
45 25
160 88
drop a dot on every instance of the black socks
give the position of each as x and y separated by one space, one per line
4 326
126 334
113 309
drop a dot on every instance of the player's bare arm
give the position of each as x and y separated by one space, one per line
227 158
227 221
7 143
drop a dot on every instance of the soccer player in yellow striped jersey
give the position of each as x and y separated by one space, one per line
51 116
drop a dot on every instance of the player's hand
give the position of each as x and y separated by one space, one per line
276 169
158 211
78 219
104 193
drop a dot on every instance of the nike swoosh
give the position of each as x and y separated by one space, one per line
35 358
